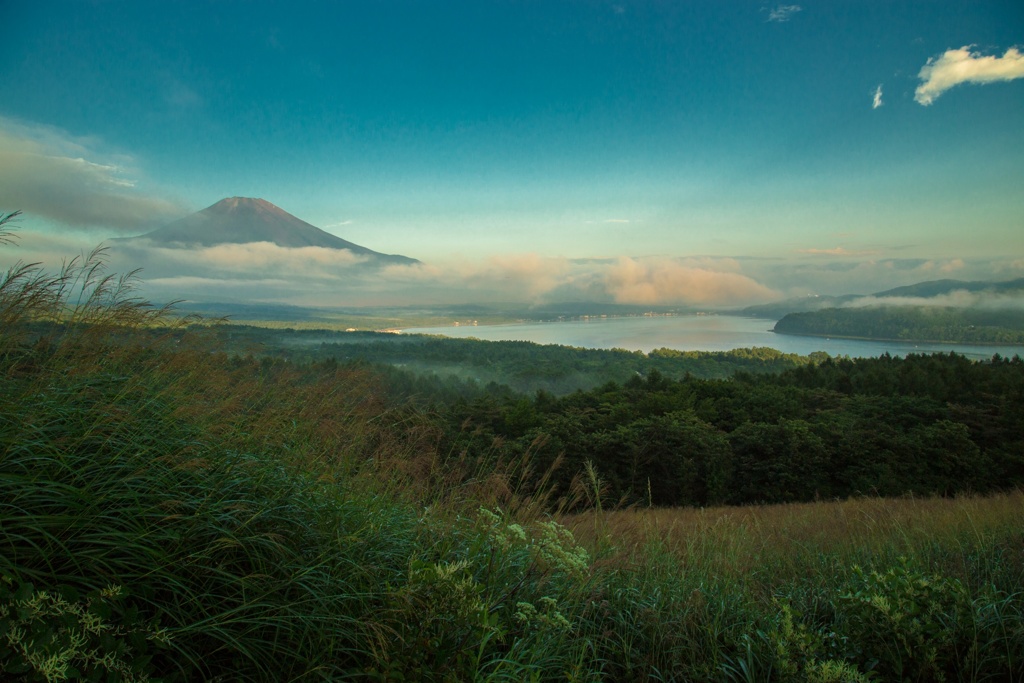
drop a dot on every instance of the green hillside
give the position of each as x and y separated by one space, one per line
910 323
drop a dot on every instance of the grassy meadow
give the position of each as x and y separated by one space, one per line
172 512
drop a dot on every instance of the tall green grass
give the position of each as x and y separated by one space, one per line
168 512
892 589
177 494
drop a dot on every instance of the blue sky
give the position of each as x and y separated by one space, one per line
703 152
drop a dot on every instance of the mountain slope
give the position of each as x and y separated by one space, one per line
989 313
939 287
241 220
909 323
923 290
778 309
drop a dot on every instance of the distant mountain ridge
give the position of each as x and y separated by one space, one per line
940 287
938 324
243 220
924 290
919 313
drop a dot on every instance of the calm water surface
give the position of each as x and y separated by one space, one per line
697 333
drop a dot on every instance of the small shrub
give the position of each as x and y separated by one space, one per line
495 595
899 620
57 636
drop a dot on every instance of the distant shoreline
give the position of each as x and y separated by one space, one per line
895 341
581 319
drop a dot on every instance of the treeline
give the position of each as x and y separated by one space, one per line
520 365
696 428
938 424
910 323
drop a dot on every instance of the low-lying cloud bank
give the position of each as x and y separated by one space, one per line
324 277
315 276
673 281
954 67
960 298
254 258
839 272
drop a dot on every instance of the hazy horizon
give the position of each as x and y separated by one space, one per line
699 154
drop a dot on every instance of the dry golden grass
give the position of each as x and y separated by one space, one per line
738 540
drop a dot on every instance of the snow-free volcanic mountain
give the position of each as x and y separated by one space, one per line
241 220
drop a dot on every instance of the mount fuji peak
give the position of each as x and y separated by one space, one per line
241 220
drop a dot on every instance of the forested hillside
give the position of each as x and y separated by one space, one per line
927 425
694 428
910 323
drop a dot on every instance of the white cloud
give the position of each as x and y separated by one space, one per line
960 298
509 277
863 273
876 99
51 174
253 259
952 265
316 276
531 274
668 281
324 277
783 12
954 67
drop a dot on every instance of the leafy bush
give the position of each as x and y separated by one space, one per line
59 636
902 621
492 595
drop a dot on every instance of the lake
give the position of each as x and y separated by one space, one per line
697 333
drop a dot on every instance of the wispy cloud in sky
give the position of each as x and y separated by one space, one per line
179 95
51 174
876 99
954 67
782 13
835 251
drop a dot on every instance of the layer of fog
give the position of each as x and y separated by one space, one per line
961 298
315 276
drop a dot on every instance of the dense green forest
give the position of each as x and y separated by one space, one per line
936 424
910 323
694 428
